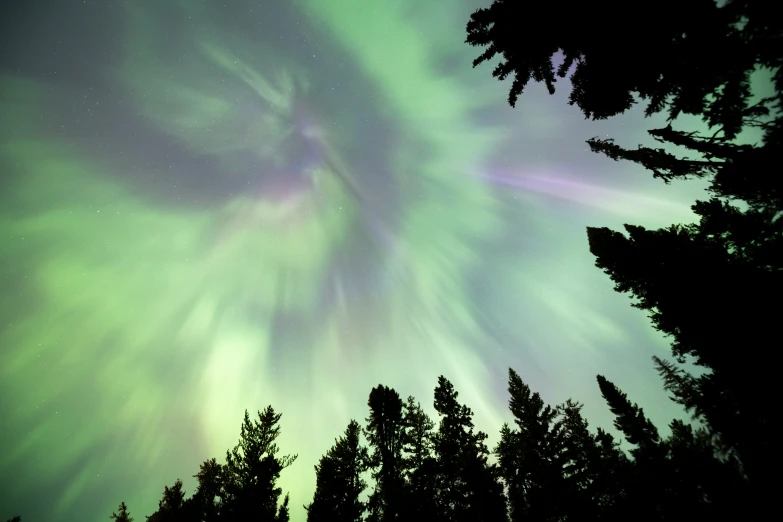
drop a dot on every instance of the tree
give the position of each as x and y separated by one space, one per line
122 515
467 485
339 480
707 285
206 502
552 466
528 455
680 477
251 472
385 435
172 507
645 485
419 465
696 62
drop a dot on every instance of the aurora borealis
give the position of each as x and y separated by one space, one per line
207 207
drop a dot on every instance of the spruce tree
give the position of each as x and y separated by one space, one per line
385 431
122 514
705 285
251 472
689 61
206 502
467 488
679 477
553 467
529 454
339 481
419 465
593 468
172 507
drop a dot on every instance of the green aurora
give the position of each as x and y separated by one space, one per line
278 203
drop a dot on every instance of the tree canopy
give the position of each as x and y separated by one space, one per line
706 285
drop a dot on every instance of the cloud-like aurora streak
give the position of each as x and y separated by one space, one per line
280 204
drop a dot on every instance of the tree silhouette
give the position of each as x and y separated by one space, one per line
419 464
693 61
467 486
339 480
708 285
680 477
122 515
172 507
528 455
385 435
696 62
251 472
206 502
552 466
594 468
15 519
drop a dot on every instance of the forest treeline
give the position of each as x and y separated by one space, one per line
403 465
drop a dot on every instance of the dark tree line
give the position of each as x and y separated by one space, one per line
547 466
712 287
242 489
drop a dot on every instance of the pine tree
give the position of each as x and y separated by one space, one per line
339 480
251 472
385 435
122 515
468 488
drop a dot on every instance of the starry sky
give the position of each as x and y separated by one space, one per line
212 206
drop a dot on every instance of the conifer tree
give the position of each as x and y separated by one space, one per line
339 481
646 484
251 472
419 465
122 514
552 466
528 455
680 477
468 488
593 468
171 508
696 62
706 285
206 502
385 430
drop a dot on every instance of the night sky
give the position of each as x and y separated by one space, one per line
207 207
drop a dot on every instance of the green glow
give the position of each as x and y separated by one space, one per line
147 326
124 288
